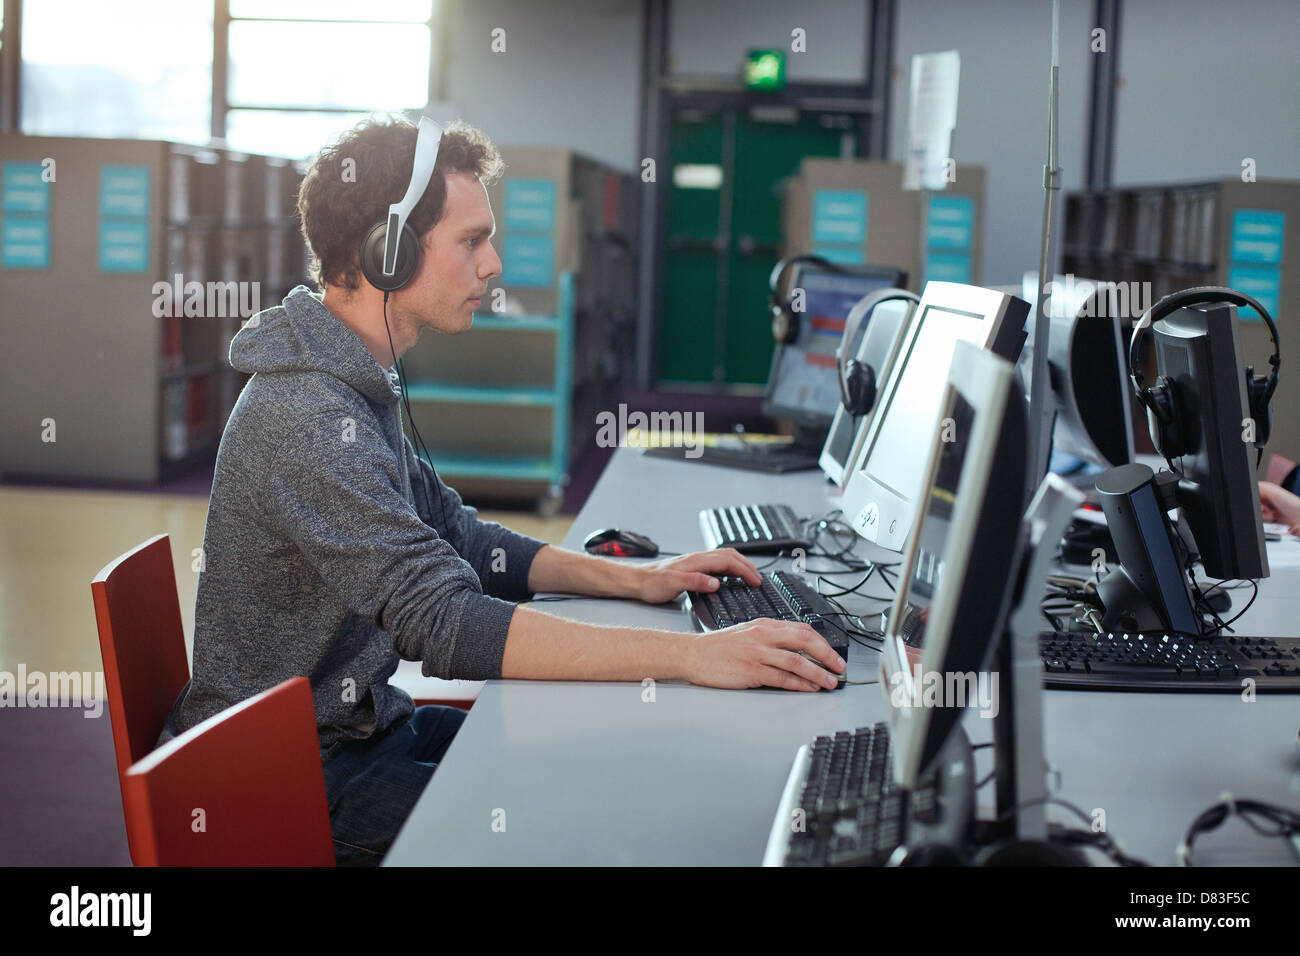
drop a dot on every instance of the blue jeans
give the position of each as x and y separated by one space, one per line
371 785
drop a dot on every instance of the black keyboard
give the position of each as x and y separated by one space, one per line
1088 661
782 596
753 529
772 458
841 806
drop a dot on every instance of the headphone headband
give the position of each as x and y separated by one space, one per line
864 307
427 140
1178 300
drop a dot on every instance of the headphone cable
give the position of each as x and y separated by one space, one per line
420 448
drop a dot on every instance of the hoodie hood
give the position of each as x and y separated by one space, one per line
301 335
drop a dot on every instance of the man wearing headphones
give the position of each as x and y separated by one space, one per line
332 549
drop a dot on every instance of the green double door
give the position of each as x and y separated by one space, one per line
724 237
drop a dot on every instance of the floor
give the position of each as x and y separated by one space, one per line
59 798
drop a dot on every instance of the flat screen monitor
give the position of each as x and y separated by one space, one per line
803 385
1197 348
957 575
879 348
886 481
1087 363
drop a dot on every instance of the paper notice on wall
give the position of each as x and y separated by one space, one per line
931 120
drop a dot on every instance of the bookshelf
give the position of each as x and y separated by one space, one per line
134 266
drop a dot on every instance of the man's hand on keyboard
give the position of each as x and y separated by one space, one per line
763 653
664 580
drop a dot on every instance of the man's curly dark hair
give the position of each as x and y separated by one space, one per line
337 210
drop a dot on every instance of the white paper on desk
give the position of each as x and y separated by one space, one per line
932 119
1284 553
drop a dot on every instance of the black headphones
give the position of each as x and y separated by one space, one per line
1164 419
390 252
858 382
785 321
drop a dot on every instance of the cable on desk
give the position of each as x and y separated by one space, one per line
1102 841
844 590
1237 616
1286 822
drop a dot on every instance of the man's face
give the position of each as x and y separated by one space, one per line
456 262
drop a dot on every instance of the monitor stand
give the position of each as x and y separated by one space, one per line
1150 590
1019 765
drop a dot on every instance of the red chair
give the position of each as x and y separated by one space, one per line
143 645
243 788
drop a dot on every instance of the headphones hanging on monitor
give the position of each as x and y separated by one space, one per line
390 252
1168 433
785 320
858 383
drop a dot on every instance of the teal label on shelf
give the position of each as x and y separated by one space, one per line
839 216
529 261
123 246
25 242
530 204
948 268
844 255
1259 282
951 223
1258 236
123 190
23 188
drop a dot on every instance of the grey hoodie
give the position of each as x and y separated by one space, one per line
321 557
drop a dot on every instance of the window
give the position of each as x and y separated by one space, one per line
301 73
138 69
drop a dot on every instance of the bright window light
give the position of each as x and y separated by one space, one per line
360 66
389 10
132 69
296 134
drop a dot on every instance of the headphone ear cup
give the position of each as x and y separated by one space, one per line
372 257
1163 419
785 324
1261 409
859 392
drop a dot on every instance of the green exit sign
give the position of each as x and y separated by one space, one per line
765 70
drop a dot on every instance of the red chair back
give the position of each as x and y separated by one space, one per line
143 645
243 788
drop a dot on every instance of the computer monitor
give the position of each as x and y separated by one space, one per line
802 385
1087 362
879 349
886 480
1198 349
958 573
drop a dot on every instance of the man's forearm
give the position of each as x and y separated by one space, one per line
555 569
542 647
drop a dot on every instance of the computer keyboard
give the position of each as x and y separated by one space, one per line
782 596
753 529
1088 661
841 807
768 457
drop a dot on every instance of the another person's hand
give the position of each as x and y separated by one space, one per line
664 580
1279 506
763 653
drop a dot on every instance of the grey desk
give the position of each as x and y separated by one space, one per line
599 773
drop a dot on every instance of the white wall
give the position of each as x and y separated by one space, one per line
711 37
570 75
1005 51
1206 83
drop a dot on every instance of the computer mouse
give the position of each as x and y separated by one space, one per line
614 543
